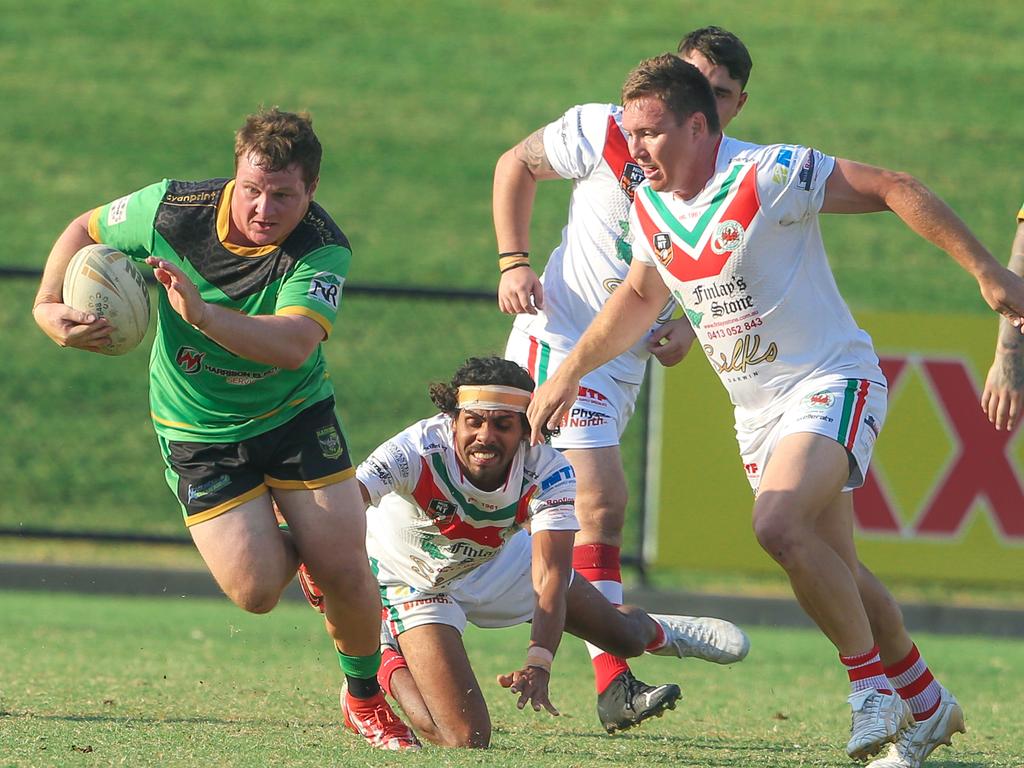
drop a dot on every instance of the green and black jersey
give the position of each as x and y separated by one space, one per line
199 391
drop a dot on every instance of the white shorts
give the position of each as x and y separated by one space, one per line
497 594
850 411
600 414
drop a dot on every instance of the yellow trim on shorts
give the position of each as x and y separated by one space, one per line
227 506
320 320
309 485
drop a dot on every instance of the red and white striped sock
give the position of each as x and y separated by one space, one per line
866 671
915 684
390 662
599 564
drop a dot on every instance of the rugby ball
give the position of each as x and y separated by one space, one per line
105 282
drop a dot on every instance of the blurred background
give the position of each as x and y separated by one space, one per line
414 102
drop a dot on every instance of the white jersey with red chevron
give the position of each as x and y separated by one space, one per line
587 145
428 525
745 259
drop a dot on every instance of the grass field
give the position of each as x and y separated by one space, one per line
414 103
91 681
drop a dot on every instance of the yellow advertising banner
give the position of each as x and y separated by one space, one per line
943 499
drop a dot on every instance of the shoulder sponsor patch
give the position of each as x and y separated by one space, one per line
556 477
783 161
118 211
325 287
807 172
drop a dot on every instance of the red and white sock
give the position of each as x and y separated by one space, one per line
866 672
599 564
390 662
915 684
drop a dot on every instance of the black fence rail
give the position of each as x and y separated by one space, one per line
390 341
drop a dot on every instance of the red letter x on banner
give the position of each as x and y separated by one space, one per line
981 467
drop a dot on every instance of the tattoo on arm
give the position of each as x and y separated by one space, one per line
530 152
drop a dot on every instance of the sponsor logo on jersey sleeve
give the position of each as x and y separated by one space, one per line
806 177
325 287
556 477
118 211
783 163
397 458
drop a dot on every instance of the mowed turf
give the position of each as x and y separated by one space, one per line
90 681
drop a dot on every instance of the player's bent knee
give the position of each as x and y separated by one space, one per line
778 535
254 598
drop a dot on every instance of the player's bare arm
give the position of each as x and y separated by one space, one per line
68 327
857 188
1004 385
515 187
552 567
627 315
285 341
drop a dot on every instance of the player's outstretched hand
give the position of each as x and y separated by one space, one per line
520 291
670 342
69 327
531 683
1004 389
181 292
551 401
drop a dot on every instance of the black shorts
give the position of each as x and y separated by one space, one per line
210 478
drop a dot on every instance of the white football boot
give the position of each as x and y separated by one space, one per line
878 718
715 640
919 740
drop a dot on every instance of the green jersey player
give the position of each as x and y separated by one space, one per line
251 271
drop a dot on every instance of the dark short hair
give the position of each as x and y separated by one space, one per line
719 46
680 86
476 371
279 139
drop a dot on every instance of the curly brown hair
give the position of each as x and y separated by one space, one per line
480 370
279 139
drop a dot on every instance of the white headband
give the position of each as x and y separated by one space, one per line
493 397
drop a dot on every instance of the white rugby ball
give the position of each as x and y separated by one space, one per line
105 282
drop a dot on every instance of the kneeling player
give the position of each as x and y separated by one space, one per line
450 497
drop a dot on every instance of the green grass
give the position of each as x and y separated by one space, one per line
163 682
414 102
